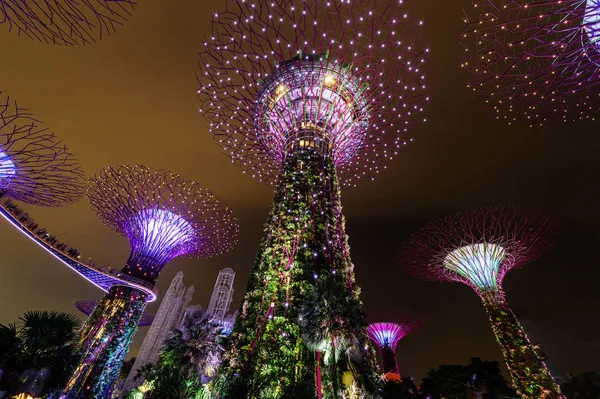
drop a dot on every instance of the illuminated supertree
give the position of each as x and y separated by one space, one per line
390 327
87 308
478 248
35 167
535 61
164 216
305 95
65 22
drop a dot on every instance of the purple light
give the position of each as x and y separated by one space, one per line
281 75
534 61
7 169
163 215
313 101
161 231
385 334
591 21
35 166
391 326
89 273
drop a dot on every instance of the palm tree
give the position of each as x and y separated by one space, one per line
187 356
10 356
333 324
48 337
41 345
10 346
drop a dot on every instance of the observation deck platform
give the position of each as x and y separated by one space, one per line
101 280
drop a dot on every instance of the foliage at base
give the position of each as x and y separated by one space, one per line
37 354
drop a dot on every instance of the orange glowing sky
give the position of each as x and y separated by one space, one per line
131 99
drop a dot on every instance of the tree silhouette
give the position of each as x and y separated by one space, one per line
582 386
40 347
455 381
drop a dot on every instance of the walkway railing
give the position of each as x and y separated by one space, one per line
102 280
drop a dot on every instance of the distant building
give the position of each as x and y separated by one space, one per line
222 294
170 313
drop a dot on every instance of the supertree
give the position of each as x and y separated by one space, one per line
65 22
305 95
478 248
35 167
164 216
87 308
389 327
534 61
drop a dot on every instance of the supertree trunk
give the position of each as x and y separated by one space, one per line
389 360
304 239
105 339
524 360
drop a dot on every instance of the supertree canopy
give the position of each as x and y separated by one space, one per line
306 95
534 61
87 308
343 77
478 248
35 167
387 329
65 22
164 216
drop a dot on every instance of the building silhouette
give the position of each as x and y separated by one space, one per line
222 294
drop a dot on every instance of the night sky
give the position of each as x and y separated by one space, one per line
131 99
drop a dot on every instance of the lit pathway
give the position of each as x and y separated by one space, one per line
101 280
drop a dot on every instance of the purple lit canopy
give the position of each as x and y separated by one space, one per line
35 167
163 215
87 307
65 22
534 61
274 75
390 326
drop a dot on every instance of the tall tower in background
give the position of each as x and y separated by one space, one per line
222 294
169 314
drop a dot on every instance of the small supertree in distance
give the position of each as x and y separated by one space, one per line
65 22
164 216
387 328
478 248
35 167
87 308
306 95
534 61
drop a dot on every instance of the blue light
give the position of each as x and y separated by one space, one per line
7 168
386 337
591 21
478 263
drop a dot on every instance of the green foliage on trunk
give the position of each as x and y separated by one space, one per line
304 242
524 360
